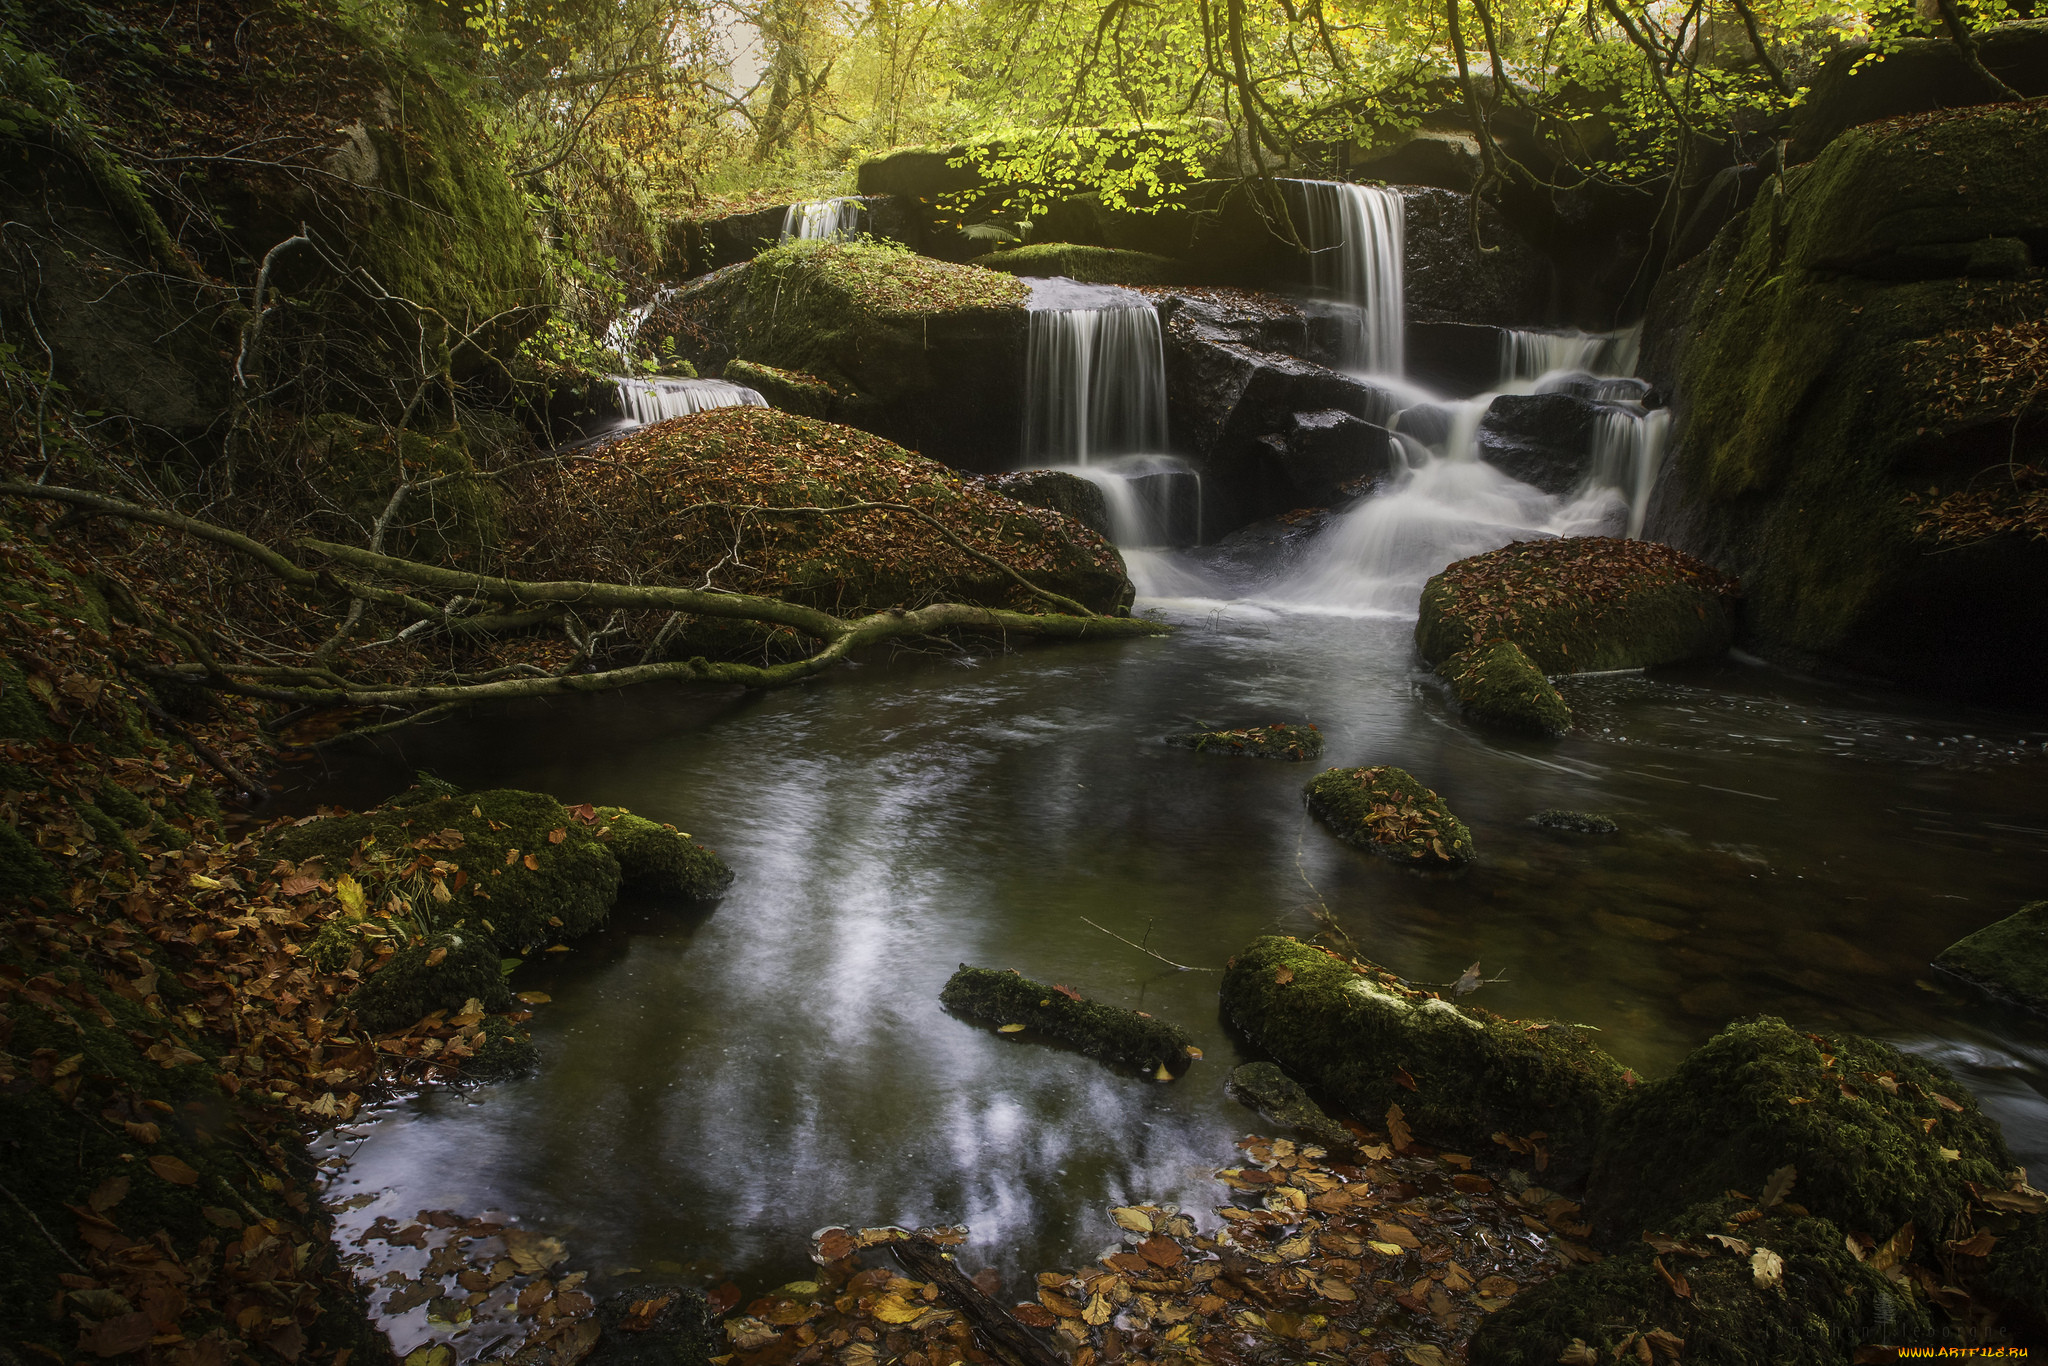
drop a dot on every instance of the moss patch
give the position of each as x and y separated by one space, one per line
1090 265
440 973
658 860
1112 1034
1496 685
1277 741
1386 812
354 466
1358 1034
1281 1098
2008 959
1852 1115
1580 604
1574 822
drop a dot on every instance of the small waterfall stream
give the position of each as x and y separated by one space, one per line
1095 406
821 220
655 400
1357 244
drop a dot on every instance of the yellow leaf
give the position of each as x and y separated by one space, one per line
1132 1218
350 893
535 998
893 1308
1099 1310
1009 1029
1385 1249
1194 1052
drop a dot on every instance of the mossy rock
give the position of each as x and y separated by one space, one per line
1265 1087
1277 741
684 1333
1090 265
354 466
503 1057
1067 494
24 872
1826 1304
1579 605
2008 960
1496 685
658 860
440 973
1386 812
1352 1031
1851 1115
1109 1033
793 391
1575 822
567 891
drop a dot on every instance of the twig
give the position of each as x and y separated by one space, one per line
199 747
1178 967
44 1231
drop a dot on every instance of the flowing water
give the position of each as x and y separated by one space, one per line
1356 241
821 220
715 1084
656 400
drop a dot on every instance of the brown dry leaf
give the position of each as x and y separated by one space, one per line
1059 1304
557 835
1397 1234
108 1194
1668 1345
1943 1101
1161 1251
641 1314
1497 1287
174 1170
1977 1246
118 1336
1677 1283
434 957
532 863
1767 1268
1397 1130
1895 1250
1779 1185
2024 1200
835 1243
1033 1316
1426 1354
1283 977
1735 1245
1578 1354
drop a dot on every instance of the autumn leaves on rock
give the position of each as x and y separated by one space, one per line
1495 626
1386 812
1276 741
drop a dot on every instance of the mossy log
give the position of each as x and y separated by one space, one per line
1575 822
1268 1088
1580 605
1297 744
1387 812
1110 1033
1090 265
1497 685
2008 960
1359 1035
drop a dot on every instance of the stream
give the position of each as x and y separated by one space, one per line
716 1085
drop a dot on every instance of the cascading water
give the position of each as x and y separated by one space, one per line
655 400
821 220
1527 355
1357 245
1628 448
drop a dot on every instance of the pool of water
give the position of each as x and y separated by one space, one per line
717 1084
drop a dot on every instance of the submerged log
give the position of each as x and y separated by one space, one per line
1008 1339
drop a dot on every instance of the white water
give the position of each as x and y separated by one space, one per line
1628 448
821 220
1155 501
655 400
1527 355
1357 244
1095 374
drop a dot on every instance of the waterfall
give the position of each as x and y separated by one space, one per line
1357 244
1095 374
1529 355
821 220
1154 500
654 400
624 332
1628 447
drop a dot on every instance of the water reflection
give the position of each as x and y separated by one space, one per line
717 1086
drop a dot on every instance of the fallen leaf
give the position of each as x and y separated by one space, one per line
557 835
1977 1246
1397 1130
1426 1354
1677 1283
1779 1185
434 957
1010 1029
174 1170
1283 977
835 1243
117 1336
1734 1245
108 1194
893 1308
1578 1354
532 863
641 1314
1468 981
535 998
1767 1268
2023 1200
1668 1345
1951 1154
1161 1251
1033 1316
1497 1287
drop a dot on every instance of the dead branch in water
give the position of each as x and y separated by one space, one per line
1178 967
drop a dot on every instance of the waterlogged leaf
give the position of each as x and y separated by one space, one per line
1010 1029
834 1243
893 1308
1033 1316
118 1336
1397 1234
534 998
1766 1268
174 1170
1468 981
1098 1311
108 1194
1426 1354
1132 1218
1497 1287
1194 1053
1385 1249
749 1334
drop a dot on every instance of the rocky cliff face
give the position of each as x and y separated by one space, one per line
1852 354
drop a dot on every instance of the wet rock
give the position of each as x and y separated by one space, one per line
1458 359
1112 1034
657 860
1580 604
1445 160
925 353
1385 811
1328 457
793 391
1358 1034
1496 685
696 246
1574 822
1266 1088
1545 440
1916 76
2008 960
1277 741
1448 278
1067 494
1817 422
1090 265
1242 317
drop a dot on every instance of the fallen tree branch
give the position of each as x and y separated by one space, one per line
1009 1340
1178 967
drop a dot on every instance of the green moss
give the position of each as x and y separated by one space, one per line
124 806
1277 741
1106 1032
793 391
1849 1113
503 1057
1575 822
1386 812
1091 265
658 860
1495 684
409 987
24 872
355 466
1826 1305
1579 605
569 891
2008 959
1281 1098
21 717
1351 1031
108 831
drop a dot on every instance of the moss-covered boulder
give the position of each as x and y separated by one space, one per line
1877 1137
1814 1308
1298 744
1496 685
924 352
1853 367
1575 822
1090 265
442 972
1360 1035
793 391
1385 811
1067 494
1268 1089
1115 1035
1579 604
659 860
351 467
2009 959
672 495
